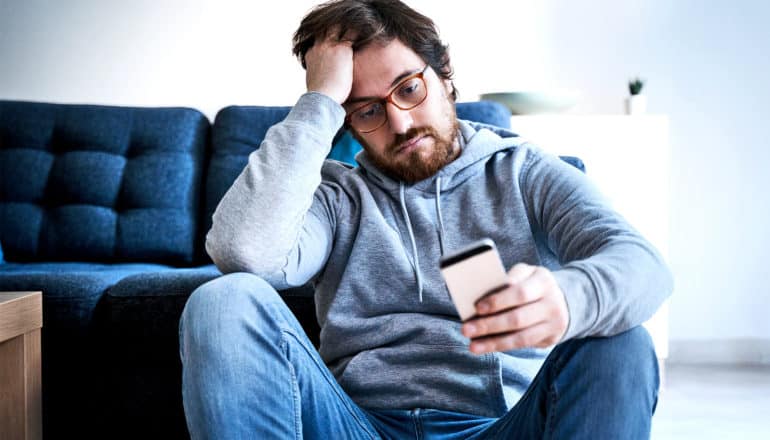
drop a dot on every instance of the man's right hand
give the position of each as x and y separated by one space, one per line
329 66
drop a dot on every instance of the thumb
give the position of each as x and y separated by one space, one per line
520 272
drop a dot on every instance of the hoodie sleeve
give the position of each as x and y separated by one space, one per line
612 278
271 222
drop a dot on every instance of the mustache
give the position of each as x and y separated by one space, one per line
412 133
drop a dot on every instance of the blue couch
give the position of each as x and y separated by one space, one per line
105 209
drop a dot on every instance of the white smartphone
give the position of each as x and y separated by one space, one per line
471 273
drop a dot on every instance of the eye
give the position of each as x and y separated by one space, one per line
410 88
368 112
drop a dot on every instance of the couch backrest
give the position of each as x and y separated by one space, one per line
100 183
488 112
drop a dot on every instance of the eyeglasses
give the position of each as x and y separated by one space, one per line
407 95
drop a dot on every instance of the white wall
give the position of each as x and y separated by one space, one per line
203 54
705 63
707 68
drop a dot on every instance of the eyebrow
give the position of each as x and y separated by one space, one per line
395 82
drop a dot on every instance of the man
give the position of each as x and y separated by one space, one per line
395 361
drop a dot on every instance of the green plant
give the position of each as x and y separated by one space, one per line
635 86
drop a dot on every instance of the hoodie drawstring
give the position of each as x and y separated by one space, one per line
415 258
438 214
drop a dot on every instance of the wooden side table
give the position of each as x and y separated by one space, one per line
21 317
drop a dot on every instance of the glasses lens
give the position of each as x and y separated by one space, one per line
406 96
410 93
368 117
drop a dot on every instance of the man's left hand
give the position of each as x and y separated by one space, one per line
530 312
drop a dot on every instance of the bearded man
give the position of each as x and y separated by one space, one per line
557 353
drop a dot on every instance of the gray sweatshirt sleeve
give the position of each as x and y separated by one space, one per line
263 224
612 278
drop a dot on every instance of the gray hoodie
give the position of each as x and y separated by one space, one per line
389 331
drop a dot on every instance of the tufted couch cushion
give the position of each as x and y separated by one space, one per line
97 183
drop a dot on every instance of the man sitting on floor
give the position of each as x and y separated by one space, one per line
558 353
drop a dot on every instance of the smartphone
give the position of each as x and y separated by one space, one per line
471 273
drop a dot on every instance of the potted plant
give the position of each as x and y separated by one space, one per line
636 104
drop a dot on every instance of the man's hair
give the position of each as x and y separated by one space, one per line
374 21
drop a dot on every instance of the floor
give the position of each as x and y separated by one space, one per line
714 402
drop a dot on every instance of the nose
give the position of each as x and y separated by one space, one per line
400 120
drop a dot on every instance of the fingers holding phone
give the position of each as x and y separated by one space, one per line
530 312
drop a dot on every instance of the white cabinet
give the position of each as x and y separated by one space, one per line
628 158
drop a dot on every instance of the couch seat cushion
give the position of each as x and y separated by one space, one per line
145 306
70 290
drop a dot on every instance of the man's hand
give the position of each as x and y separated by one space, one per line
329 66
530 312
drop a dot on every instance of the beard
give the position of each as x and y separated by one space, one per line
422 162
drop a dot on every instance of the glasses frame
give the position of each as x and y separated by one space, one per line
389 99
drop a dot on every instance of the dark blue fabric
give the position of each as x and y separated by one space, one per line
138 339
83 329
70 290
72 371
345 149
488 112
162 284
100 183
143 305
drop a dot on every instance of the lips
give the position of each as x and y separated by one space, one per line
411 143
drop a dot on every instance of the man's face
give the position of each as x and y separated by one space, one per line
413 144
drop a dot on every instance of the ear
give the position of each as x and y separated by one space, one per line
449 87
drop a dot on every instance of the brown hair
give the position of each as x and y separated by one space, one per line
371 21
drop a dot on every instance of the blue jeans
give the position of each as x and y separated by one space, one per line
250 372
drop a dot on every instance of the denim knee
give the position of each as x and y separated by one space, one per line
219 312
622 361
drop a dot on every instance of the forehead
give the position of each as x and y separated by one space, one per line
377 65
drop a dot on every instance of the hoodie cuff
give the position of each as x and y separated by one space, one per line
582 304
